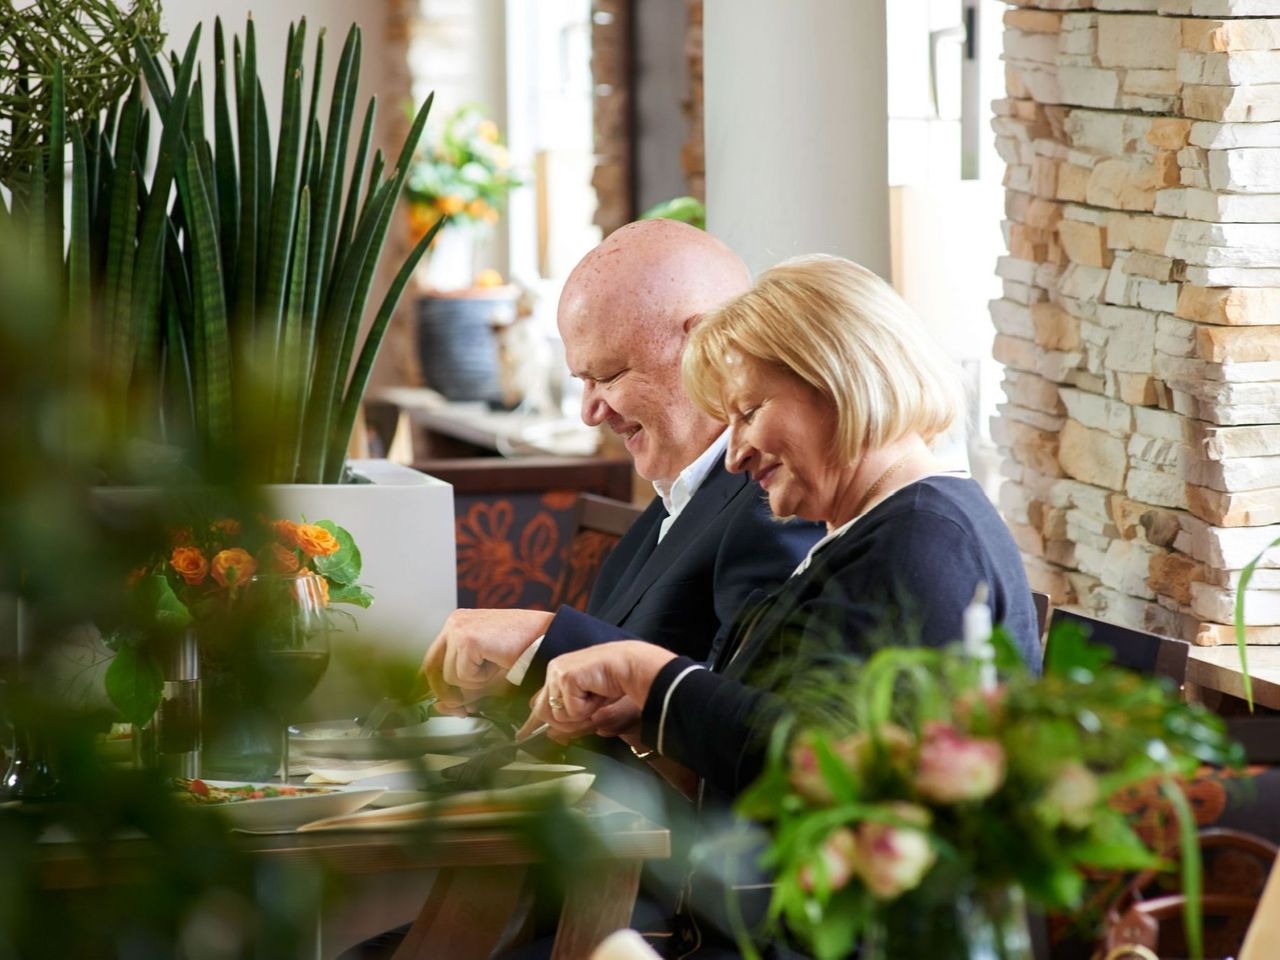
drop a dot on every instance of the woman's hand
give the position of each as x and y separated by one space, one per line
598 690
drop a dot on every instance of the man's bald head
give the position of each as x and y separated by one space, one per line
624 314
652 275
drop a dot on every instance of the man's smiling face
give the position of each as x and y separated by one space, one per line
631 383
624 315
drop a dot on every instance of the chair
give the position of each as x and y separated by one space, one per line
1147 913
1041 602
599 523
1137 650
514 519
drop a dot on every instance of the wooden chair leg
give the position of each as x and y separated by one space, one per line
598 902
464 915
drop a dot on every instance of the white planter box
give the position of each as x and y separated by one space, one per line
402 521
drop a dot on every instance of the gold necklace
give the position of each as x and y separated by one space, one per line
881 481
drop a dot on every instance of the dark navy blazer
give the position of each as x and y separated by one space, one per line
684 592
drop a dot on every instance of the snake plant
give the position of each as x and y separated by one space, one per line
222 290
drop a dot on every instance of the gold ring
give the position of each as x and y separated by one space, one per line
555 703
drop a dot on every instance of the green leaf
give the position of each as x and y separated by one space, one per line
1192 868
1112 844
1068 650
351 593
155 596
372 342
134 684
342 566
1245 576
225 162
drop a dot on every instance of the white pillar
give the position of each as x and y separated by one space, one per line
797 129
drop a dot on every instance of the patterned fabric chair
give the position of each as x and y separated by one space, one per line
599 524
516 520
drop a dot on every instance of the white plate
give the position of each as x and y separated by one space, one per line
465 809
341 738
274 814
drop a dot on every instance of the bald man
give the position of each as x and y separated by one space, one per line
706 543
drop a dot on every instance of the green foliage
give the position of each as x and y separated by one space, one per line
688 210
343 566
1010 786
92 41
1241 641
223 315
66 553
134 684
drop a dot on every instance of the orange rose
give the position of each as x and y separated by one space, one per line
476 208
226 526
180 536
190 564
233 567
316 541
286 532
279 558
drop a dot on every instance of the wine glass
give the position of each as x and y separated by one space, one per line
293 649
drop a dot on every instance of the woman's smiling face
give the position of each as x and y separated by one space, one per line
783 432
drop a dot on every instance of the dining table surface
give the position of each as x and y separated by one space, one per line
1218 669
480 879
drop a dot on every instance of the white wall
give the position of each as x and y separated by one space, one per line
271 25
797 129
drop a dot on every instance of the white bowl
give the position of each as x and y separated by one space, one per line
341 738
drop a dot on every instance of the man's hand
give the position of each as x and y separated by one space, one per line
470 657
601 689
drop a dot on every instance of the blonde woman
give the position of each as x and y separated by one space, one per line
832 395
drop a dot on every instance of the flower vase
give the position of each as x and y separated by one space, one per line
241 736
172 740
943 922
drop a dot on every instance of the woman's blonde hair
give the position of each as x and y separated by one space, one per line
845 332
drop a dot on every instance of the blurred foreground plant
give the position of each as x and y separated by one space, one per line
922 788
65 558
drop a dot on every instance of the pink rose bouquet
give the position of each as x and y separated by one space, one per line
923 790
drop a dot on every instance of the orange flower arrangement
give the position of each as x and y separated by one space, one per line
209 561
200 575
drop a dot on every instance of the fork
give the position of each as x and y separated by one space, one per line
371 726
479 770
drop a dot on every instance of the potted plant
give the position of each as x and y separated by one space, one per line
461 179
220 296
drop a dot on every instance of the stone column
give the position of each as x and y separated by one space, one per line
1140 321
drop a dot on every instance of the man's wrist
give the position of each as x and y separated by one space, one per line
516 675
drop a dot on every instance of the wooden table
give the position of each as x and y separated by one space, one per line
478 886
1217 669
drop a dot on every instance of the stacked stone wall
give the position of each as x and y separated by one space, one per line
1140 319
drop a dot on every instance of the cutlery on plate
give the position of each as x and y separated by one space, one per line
371 725
479 770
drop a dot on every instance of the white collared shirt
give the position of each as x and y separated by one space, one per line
676 496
